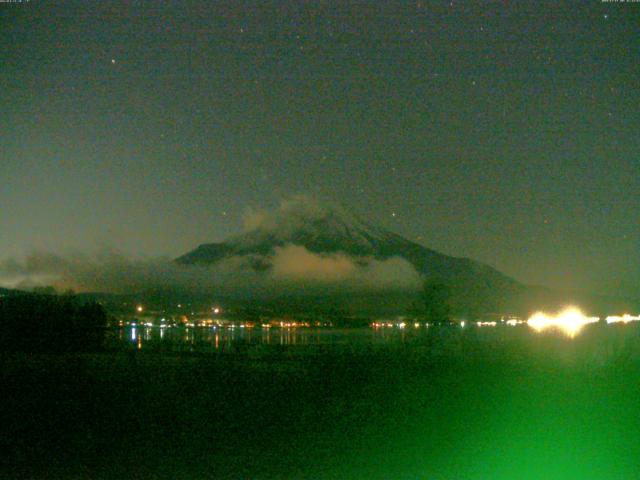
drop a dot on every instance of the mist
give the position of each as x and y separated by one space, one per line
291 269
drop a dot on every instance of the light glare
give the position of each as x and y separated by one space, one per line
626 318
569 321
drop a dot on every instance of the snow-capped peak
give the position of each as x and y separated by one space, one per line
304 218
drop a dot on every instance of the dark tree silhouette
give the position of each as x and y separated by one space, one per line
48 323
437 298
46 290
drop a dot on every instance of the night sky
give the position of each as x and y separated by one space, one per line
502 131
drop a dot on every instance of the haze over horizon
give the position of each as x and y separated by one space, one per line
502 133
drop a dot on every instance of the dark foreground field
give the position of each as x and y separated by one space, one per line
500 405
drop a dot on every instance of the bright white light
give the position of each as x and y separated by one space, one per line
216 310
402 324
570 321
486 324
139 308
462 323
626 318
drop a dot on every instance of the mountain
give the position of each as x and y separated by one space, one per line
332 237
329 230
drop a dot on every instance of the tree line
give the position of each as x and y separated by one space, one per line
49 323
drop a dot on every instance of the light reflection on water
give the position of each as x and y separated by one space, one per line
540 403
219 339
453 339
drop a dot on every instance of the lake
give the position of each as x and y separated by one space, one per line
448 338
428 403
225 339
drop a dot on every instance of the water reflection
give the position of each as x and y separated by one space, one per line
221 339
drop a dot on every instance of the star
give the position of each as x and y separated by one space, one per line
113 60
606 16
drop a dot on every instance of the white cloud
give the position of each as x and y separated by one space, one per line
292 266
293 262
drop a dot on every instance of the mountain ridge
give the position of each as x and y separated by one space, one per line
327 230
331 232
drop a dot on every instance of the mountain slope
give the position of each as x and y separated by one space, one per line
330 230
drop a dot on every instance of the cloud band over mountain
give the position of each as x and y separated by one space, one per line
293 268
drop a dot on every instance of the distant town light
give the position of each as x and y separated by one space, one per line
486 324
626 318
139 308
